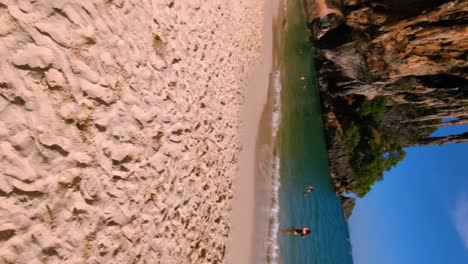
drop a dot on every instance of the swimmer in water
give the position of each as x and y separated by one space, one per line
299 232
309 189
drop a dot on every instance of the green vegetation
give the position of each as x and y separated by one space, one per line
372 149
402 87
375 133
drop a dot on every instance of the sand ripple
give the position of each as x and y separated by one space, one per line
119 128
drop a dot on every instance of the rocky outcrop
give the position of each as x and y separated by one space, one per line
412 52
374 53
339 166
329 14
347 204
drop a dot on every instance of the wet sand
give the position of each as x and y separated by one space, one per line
252 188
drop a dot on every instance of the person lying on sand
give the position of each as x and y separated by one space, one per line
296 232
309 189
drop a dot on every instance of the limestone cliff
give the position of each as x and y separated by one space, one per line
412 53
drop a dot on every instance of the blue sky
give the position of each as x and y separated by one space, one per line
419 212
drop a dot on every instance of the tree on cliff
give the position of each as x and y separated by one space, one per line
390 79
375 133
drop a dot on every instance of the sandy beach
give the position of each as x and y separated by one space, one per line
252 192
121 126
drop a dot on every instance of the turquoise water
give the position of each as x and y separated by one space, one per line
302 151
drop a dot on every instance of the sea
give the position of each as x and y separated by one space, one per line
300 158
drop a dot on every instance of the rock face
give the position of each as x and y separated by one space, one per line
371 54
323 15
412 52
347 204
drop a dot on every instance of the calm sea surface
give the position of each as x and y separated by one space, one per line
303 159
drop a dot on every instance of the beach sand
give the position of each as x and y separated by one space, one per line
252 195
120 128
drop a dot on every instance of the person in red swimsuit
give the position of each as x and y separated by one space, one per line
299 232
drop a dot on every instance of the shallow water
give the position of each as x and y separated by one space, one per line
303 159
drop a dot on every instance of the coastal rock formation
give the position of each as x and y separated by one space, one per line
119 128
395 67
323 15
347 203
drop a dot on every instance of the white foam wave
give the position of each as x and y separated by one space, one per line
276 119
273 243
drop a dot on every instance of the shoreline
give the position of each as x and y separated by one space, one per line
252 197
302 154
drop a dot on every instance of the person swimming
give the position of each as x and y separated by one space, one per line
309 189
299 232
